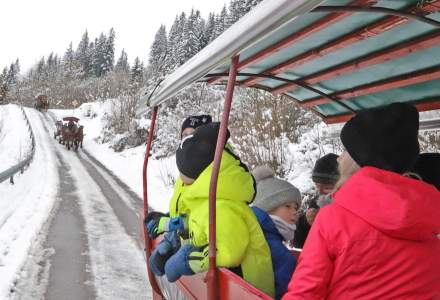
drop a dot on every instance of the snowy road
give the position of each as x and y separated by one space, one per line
87 248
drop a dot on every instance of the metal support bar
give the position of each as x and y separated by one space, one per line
296 37
380 10
421 105
148 244
212 271
373 29
295 82
378 86
408 47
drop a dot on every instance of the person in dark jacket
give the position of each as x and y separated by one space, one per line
325 174
428 168
276 208
304 223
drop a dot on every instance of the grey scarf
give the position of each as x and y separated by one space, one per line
286 230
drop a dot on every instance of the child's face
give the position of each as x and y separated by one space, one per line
324 188
186 180
187 131
288 212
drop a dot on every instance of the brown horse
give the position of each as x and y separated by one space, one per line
79 136
68 134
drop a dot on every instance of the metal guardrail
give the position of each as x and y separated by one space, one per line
9 173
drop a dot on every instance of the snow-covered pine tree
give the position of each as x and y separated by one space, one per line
122 65
209 29
109 52
99 59
82 56
173 45
235 12
137 74
68 62
179 51
220 22
159 52
91 54
40 70
249 4
3 85
192 34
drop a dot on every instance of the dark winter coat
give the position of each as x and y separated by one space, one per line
283 261
301 232
377 240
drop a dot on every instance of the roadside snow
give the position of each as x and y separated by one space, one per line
15 141
25 206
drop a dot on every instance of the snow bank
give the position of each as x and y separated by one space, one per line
15 141
25 206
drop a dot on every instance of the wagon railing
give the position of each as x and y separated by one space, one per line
19 167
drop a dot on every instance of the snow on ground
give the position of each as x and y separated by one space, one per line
25 206
128 164
14 136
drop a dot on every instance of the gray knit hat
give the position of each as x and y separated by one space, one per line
273 192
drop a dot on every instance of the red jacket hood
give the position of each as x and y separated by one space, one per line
398 206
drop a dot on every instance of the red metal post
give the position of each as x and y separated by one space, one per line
148 244
212 272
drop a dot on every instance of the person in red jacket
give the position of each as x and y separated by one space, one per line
378 239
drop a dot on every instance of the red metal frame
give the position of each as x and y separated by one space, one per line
212 271
374 29
148 242
430 104
402 49
379 86
297 36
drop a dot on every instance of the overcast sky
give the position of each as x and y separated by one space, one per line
30 29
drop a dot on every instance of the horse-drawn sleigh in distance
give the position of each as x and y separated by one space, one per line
69 132
41 102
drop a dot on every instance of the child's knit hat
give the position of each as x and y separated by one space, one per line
273 192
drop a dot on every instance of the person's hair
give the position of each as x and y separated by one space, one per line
346 170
